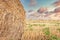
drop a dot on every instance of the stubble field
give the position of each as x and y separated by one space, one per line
42 30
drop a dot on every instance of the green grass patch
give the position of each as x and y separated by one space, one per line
46 31
53 37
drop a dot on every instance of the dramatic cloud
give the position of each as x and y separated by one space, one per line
57 10
30 10
57 3
41 10
32 3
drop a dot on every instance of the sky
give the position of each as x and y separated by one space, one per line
36 4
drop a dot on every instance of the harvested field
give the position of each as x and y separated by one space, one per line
42 30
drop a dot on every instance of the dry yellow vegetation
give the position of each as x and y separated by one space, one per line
13 26
42 30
